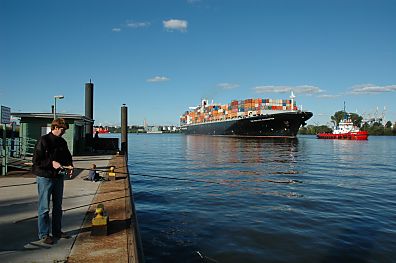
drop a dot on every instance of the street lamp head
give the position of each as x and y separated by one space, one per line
56 97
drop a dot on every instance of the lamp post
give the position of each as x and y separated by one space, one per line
56 97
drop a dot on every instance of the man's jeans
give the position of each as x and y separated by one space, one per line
48 187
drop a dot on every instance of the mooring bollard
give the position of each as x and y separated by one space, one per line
111 174
100 222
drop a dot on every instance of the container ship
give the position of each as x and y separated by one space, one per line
272 118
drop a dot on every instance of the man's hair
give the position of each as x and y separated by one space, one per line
60 123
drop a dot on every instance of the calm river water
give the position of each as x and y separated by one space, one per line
222 199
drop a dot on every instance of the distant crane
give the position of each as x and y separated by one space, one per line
371 118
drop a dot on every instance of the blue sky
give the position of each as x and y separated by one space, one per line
160 57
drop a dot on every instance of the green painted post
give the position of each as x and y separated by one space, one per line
4 152
124 130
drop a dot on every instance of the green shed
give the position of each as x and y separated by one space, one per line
34 125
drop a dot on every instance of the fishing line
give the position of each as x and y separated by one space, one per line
214 182
12 185
178 179
205 258
73 208
292 181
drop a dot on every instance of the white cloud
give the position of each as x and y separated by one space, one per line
134 24
131 24
228 85
322 114
371 89
175 24
304 89
158 79
328 96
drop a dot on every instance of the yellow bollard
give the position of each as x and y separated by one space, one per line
100 222
112 174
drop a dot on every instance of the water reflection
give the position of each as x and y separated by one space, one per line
245 165
249 153
235 150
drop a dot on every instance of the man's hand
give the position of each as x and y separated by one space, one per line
56 165
70 172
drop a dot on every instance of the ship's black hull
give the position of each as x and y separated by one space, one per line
283 125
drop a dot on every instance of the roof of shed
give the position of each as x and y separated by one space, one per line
51 116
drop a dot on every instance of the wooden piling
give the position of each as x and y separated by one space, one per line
124 130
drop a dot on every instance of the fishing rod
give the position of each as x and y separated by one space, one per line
184 179
292 181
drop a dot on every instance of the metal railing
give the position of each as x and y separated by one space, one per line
18 147
15 151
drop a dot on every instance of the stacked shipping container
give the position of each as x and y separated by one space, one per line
235 109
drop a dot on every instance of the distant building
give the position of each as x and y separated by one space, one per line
153 129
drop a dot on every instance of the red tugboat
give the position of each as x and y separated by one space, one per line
345 131
101 130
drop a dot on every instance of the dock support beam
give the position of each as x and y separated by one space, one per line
124 130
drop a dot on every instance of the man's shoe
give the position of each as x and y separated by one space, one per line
62 235
47 240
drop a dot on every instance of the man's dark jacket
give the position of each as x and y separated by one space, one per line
50 148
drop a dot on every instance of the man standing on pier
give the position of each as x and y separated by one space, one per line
50 156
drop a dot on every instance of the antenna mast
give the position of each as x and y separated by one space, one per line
292 100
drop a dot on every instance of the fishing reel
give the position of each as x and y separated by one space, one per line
62 171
